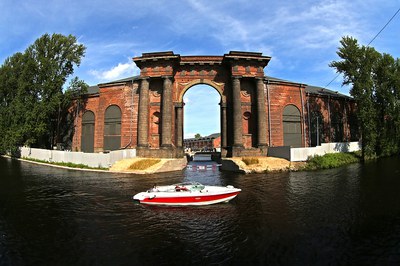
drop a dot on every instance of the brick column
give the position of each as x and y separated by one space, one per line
224 142
143 123
166 113
261 114
179 124
237 113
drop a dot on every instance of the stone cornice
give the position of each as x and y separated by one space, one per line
154 57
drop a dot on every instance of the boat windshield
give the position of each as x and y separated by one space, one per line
193 186
187 184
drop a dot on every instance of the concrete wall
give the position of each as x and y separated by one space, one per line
302 154
90 159
279 152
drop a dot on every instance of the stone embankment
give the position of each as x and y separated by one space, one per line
264 165
165 165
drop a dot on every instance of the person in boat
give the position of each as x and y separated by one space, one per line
154 188
181 188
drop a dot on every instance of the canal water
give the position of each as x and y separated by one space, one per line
344 216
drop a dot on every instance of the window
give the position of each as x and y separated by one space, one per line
87 136
291 126
112 128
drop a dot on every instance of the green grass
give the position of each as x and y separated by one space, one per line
72 165
143 164
331 160
250 160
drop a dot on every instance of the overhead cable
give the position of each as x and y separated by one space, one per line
390 20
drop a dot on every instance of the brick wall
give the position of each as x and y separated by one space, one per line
121 96
280 97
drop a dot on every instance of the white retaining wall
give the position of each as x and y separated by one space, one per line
302 154
106 160
90 159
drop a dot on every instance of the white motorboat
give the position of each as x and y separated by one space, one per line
188 193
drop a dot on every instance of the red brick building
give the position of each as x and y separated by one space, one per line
209 143
256 111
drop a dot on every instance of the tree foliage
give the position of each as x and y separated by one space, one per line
375 82
31 91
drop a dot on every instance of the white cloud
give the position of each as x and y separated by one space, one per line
270 28
122 70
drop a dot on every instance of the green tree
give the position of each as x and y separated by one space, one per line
385 101
12 107
31 87
197 136
375 87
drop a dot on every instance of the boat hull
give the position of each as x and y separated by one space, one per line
208 195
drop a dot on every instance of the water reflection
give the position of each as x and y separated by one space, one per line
344 216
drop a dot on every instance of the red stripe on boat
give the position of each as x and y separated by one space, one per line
189 199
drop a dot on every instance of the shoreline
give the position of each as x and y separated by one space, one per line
235 164
162 167
54 164
171 165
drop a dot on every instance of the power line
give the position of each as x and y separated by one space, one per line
398 10
390 20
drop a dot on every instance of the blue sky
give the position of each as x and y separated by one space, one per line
302 37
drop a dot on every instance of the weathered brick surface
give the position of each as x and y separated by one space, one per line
216 71
121 96
280 97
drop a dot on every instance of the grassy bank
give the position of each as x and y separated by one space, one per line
143 164
72 165
331 160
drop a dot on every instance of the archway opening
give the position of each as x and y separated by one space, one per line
202 119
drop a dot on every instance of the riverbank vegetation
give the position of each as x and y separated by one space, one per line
272 164
375 81
143 164
250 160
331 160
34 105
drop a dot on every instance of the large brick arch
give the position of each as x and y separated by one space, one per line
217 86
250 110
239 79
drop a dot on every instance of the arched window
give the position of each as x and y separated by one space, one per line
155 123
247 123
112 128
87 136
291 126
336 126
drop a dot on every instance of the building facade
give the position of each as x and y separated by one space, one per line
145 112
209 143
